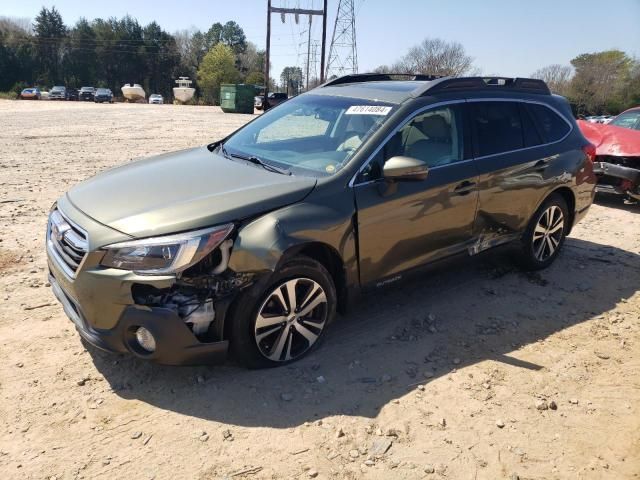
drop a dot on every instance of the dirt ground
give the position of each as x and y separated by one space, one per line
470 371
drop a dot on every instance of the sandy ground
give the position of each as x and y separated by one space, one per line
471 371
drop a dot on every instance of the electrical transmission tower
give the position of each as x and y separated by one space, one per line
343 52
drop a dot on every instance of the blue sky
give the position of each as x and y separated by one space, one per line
506 37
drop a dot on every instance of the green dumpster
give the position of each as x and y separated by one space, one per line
236 98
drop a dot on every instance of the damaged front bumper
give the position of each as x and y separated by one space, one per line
111 308
175 343
618 179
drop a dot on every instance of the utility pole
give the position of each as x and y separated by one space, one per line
294 11
267 54
343 52
308 53
324 41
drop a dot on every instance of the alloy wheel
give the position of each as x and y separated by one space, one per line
548 232
291 319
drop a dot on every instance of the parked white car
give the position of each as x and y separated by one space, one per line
156 98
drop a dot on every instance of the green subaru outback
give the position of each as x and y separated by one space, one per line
250 245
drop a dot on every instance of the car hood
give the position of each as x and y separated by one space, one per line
184 190
612 140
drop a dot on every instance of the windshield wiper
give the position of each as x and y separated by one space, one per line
256 161
225 154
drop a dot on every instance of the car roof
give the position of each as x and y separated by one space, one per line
389 88
390 91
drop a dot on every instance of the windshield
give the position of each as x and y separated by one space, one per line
627 120
102 90
57 89
311 134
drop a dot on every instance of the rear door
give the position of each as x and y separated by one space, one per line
403 224
512 162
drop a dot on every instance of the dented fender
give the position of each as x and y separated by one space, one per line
265 242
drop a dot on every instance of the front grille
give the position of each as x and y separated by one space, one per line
67 242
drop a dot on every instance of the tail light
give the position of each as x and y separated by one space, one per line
586 174
590 151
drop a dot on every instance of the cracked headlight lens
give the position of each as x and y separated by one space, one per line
167 254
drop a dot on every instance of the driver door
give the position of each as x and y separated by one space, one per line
406 223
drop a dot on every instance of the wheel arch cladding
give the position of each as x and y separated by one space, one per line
567 194
329 258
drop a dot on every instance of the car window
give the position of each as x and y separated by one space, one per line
435 137
293 126
627 120
315 133
530 130
498 127
551 125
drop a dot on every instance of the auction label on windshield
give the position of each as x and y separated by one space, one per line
368 110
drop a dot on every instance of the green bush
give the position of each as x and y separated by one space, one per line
18 87
8 95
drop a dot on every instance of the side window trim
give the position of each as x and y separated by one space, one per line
520 100
397 128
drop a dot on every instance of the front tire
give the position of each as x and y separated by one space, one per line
283 322
545 234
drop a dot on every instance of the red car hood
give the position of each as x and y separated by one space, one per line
612 140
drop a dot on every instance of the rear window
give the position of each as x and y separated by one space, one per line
497 126
551 126
629 119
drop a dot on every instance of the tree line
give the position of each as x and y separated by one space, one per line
597 83
111 52
606 82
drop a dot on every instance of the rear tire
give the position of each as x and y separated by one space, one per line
545 234
283 322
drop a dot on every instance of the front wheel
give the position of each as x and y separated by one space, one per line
545 234
284 321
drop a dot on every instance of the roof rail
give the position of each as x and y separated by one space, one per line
525 85
377 77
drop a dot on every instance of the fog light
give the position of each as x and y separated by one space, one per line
145 339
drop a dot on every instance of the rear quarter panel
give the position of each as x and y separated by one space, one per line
512 187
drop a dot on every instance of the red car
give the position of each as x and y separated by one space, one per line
617 153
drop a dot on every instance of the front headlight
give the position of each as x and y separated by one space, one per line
165 255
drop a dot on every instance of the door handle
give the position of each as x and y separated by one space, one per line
464 188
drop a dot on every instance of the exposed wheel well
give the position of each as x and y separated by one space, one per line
570 198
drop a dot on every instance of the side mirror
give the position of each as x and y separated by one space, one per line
405 168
